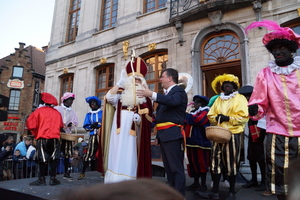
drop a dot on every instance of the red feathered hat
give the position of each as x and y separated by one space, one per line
139 67
49 99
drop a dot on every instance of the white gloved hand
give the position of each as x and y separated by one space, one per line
122 78
136 117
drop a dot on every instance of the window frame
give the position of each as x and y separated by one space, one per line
210 70
73 31
111 17
15 103
13 71
156 7
292 26
69 82
157 71
109 79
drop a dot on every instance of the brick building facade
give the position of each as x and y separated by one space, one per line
22 76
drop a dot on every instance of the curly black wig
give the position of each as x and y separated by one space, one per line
291 45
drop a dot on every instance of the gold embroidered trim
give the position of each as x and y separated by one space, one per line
286 164
143 111
148 118
287 105
273 163
121 174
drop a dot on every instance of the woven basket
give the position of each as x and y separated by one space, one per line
218 134
68 137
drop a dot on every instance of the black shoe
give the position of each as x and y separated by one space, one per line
40 182
202 188
250 184
231 196
54 181
208 195
67 176
194 185
261 187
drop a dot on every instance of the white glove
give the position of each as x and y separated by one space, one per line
136 117
122 78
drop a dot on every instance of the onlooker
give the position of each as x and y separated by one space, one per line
77 160
18 165
23 147
70 121
92 123
45 124
276 95
198 146
129 154
231 111
255 151
30 163
4 153
7 164
170 116
10 142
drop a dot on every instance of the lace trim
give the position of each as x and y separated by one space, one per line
67 108
203 108
95 111
285 70
226 97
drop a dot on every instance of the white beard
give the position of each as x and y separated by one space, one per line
128 98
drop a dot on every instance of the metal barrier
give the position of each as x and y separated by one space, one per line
22 168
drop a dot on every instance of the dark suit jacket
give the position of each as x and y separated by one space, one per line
171 108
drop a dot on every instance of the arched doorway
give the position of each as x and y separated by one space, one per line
220 54
219 49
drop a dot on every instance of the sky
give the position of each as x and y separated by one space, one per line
26 21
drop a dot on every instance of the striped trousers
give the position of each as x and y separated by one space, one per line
280 152
226 156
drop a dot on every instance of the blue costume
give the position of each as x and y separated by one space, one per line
90 118
92 123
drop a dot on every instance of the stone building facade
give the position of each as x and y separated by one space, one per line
88 47
91 42
22 77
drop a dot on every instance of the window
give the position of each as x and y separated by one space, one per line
17 72
74 15
151 5
105 80
220 54
156 63
14 100
109 14
67 84
296 29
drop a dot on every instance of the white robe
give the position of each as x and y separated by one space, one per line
122 155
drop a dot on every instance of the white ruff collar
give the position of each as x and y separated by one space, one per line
203 108
226 97
95 111
66 108
285 70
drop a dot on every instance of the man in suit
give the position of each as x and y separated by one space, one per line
170 115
